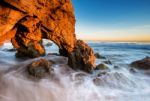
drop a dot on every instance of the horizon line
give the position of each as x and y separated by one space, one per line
115 40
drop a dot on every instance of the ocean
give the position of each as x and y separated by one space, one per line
119 83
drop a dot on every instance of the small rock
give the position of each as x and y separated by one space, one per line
78 76
48 44
108 62
133 70
54 54
116 67
102 73
10 50
143 64
101 67
98 81
40 68
98 56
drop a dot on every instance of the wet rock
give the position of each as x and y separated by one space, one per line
98 81
40 68
54 54
101 67
143 64
101 73
82 57
98 56
116 67
10 50
78 77
48 44
114 80
108 62
132 70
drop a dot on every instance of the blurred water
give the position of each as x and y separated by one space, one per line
68 85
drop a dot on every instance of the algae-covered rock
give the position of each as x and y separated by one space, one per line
101 67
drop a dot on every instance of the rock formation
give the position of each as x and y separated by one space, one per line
82 57
143 64
27 22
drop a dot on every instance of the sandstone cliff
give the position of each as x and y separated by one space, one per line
27 22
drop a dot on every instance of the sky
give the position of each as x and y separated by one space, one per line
112 20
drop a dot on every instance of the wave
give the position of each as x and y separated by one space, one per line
117 84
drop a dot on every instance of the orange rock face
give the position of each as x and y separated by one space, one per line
27 22
28 37
8 19
57 17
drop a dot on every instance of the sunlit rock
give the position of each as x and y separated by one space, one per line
26 23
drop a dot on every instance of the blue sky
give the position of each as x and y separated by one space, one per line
113 20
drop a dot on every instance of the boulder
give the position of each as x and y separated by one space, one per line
98 56
101 67
143 64
40 68
82 57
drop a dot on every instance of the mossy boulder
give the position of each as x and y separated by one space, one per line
101 67
98 56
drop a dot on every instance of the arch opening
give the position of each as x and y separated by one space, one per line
50 47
